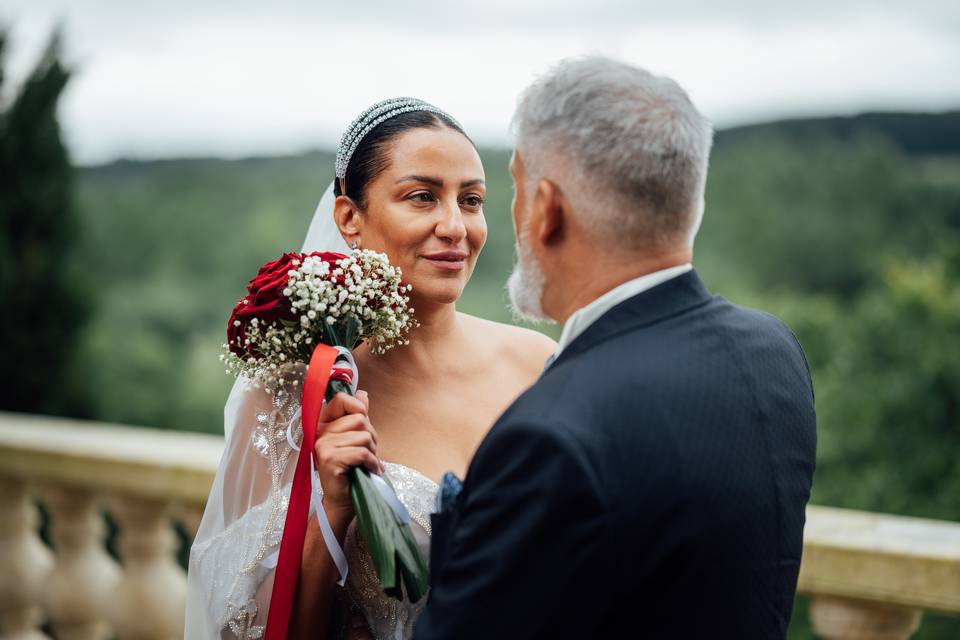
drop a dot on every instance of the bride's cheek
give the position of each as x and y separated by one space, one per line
478 231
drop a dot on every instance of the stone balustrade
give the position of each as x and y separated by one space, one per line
143 480
868 575
872 575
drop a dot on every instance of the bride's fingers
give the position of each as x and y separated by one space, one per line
346 457
352 422
364 397
341 405
352 439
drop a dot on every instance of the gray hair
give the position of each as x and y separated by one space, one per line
628 148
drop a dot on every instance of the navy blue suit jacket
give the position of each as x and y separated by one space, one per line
651 484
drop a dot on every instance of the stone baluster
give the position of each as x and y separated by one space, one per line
79 590
149 602
847 619
189 516
25 563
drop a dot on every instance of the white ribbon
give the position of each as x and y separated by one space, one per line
390 497
291 425
333 545
349 363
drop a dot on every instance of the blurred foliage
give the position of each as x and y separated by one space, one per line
847 228
889 372
45 298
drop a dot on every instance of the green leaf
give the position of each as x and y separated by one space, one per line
331 331
393 548
335 387
352 325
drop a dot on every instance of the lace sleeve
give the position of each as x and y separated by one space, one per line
233 556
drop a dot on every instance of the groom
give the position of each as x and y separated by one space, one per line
653 482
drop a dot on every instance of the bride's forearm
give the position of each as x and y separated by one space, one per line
318 578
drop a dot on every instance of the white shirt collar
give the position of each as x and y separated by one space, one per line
587 315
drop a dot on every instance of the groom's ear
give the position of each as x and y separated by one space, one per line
347 216
550 210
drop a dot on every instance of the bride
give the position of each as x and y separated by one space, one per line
409 183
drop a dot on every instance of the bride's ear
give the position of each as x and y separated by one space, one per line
347 216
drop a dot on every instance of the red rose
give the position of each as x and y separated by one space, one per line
327 256
265 299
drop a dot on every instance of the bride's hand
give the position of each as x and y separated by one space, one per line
346 439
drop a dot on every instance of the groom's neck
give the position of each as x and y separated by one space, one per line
587 280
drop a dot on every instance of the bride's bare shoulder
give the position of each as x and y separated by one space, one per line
526 347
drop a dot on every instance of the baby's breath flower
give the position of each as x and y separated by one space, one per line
362 291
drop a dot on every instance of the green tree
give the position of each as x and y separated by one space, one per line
889 395
820 215
45 305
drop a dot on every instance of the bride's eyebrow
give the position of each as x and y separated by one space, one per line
434 182
438 182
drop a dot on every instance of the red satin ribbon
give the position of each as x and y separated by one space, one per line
295 525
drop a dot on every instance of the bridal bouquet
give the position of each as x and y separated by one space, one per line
314 308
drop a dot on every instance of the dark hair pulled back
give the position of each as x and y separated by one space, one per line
371 157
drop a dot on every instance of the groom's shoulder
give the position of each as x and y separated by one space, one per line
755 317
647 365
746 322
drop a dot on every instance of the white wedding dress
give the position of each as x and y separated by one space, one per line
234 553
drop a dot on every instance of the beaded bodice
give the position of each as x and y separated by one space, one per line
390 618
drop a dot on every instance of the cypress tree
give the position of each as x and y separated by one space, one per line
42 303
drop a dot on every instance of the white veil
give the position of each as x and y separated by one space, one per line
323 234
234 553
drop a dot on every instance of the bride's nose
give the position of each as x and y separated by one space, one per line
450 225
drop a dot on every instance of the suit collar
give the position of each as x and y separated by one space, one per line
582 318
667 299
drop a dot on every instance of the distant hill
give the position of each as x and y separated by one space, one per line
913 133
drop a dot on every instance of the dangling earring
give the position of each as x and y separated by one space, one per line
354 245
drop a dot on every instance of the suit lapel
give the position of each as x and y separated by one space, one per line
672 297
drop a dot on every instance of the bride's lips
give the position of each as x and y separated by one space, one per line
450 260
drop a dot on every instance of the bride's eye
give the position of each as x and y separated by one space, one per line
421 197
473 202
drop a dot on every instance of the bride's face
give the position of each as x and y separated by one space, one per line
425 211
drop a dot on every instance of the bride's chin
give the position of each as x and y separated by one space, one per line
434 293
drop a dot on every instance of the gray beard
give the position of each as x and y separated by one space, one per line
526 283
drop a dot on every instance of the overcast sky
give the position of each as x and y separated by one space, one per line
249 77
